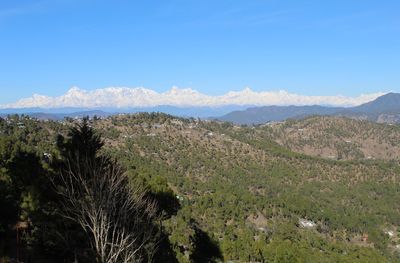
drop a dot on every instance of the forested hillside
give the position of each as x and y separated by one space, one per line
337 138
230 193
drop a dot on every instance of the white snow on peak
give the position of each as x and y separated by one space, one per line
123 97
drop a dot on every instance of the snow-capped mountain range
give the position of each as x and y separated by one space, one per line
123 97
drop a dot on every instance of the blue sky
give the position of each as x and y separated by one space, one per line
306 47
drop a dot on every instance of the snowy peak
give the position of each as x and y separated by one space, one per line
123 97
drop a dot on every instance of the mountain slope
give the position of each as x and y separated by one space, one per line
337 138
384 109
246 191
248 194
388 103
265 114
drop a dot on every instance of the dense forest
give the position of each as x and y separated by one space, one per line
192 191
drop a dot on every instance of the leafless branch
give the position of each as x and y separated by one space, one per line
118 219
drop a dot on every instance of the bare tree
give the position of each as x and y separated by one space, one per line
119 221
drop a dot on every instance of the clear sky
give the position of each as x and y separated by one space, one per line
307 47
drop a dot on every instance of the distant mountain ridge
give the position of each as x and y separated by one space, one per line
384 109
389 103
61 113
55 116
140 97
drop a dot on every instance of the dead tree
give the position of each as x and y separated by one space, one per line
119 221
